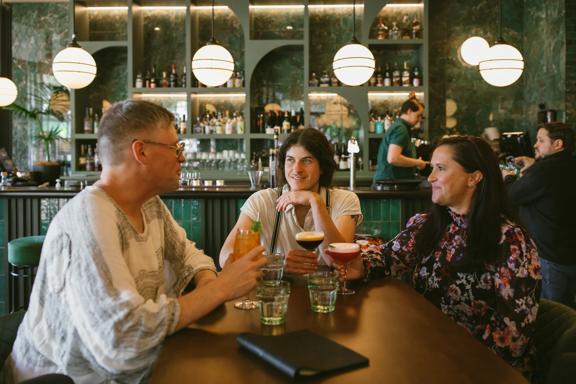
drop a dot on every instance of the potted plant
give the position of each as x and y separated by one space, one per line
50 101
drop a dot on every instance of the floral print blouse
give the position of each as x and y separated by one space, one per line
498 306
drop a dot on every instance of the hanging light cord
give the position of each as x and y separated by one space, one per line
74 43
212 40
354 19
500 21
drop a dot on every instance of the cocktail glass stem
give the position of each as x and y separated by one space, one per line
344 290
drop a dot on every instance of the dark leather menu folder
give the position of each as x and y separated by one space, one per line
302 354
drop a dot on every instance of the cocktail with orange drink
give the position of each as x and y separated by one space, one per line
246 240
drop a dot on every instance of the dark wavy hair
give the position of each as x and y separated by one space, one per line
314 142
489 207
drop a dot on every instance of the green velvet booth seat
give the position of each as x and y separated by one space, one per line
555 339
23 259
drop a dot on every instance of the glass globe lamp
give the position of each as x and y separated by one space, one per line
8 91
212 65
353 64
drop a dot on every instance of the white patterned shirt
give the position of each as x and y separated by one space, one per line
105 296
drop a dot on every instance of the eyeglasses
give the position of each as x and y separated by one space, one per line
179 148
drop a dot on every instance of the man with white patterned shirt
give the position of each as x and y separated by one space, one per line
115 263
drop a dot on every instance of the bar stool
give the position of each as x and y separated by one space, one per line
23 260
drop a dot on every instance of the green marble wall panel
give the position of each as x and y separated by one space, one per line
227 30
164 41
332 29
451 23
188 213
571 62
276 23
39 32
545 74
381 217
109 25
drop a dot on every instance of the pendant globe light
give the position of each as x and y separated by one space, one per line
472 50
212 64
74 67
502 63
8 90
353 64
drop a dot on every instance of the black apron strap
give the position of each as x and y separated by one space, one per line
272 249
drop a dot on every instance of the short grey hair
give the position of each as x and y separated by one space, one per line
123 121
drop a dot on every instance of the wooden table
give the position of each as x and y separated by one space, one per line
406 338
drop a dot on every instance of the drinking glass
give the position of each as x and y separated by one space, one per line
273 302
273 270
245 240
255 178
343 253
322 289
310 240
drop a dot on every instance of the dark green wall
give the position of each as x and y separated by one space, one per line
537 28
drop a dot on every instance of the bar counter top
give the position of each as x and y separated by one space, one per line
201 192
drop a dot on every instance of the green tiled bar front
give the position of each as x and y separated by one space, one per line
207 220
381 217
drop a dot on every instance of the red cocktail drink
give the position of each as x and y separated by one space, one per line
343 253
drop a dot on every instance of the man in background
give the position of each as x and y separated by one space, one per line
546 199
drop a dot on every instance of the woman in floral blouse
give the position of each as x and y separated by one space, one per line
466 256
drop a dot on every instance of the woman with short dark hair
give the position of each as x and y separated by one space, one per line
306 200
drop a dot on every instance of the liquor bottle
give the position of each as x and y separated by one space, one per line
406 29
97 164
396 78
387 76
217 122
239 80
82 158
182 125
240 124
164 83
416 77
183 78
416 29
371 124
381 30
173 80
139 82
147 80
379 126
230 82
324 79
313 80
260 123
96 124
229 128
270 122
272 168
301 119
379 78
153 80
395 31
90 164
387 120
334 80
198 127
406 75
286 124
88 121
343 163
372 80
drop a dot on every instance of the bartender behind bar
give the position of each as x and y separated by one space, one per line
396 154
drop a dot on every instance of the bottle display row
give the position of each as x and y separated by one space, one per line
88 158
399 29
408 76
91 121
214 123
152 80
271 91
277 121
171 79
